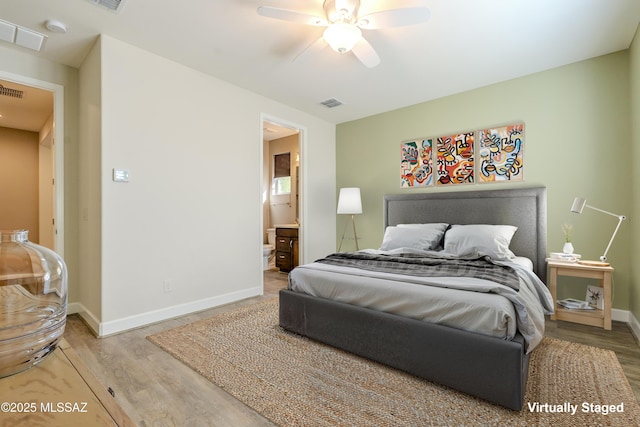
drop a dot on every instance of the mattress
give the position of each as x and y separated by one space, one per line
466 303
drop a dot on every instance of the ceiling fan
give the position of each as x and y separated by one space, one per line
344 27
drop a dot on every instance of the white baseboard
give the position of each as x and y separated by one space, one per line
74 308
635 326
103 329
88 317
620 315
627 317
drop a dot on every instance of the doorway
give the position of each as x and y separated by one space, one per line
282 183
34 109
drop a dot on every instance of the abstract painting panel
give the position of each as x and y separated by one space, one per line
416 164
455 159
500 153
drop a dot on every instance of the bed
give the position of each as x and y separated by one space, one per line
494 368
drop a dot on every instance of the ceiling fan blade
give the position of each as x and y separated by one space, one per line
366 53
311 50
394 18
292 16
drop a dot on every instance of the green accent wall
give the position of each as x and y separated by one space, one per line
634 231
578 142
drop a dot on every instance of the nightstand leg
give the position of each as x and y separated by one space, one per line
606 285
553 278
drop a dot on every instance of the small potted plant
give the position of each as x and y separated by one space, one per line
568 246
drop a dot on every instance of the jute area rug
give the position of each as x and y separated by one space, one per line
294 381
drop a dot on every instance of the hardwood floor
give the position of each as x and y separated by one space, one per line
619 339
155 389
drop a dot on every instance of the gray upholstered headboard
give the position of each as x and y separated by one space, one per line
526 208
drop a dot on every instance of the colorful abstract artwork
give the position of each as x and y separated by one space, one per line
500 153
455 159
492 154
416 163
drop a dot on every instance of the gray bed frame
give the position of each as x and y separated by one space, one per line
489 368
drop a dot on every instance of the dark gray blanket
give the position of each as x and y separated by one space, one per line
428 265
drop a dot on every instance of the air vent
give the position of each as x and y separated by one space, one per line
332 102
14 93
21 36
114 6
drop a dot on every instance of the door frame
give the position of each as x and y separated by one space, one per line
302 143
58 137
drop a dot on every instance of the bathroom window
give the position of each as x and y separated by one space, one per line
281 183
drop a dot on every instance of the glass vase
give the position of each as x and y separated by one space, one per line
33 295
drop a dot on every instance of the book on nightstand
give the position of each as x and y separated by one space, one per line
562 257
574 304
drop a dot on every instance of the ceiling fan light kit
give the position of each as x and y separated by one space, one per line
342 37
343 32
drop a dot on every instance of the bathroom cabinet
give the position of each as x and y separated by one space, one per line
286 248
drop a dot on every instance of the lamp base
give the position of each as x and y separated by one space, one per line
355 234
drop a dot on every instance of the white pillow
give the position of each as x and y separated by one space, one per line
415 236
480 239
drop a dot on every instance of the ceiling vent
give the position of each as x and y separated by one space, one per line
21 36
14 93
114 6
332 102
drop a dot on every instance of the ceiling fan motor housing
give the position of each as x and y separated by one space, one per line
341 10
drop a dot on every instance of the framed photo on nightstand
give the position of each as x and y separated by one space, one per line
595 296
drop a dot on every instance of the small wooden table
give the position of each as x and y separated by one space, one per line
597 317
58 391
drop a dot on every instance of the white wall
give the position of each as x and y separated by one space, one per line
89 167
190 218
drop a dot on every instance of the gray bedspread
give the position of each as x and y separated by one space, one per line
428 264
362 279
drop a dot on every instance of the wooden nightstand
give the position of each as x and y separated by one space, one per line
600 318
59 391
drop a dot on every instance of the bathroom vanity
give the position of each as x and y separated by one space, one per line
286 248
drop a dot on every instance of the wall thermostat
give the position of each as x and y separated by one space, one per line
120 175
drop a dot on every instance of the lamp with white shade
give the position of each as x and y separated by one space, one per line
579 204
349 203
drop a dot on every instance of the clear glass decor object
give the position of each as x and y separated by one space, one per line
33 301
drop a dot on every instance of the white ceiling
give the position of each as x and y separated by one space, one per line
466 44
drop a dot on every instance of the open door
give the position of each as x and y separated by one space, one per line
281 182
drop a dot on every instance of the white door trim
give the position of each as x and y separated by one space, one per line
302 142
